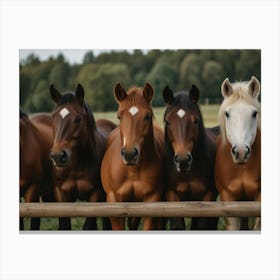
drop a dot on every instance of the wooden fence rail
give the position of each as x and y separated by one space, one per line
142 209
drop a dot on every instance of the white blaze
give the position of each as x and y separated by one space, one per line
133 110
64 112
181 113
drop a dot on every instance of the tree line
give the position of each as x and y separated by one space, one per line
99 73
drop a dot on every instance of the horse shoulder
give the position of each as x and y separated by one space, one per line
105 127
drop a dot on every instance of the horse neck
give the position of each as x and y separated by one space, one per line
201 149
149 144
87 154
256 147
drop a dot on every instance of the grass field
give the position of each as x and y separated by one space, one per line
209 113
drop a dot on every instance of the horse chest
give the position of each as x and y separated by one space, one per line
192 189
81 182
244 185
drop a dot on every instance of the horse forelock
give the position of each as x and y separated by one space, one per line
135 98
240 94
182 101
66 98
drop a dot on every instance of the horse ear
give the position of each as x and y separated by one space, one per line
148 92
120 93
55 95
226 88
80 93
168 95
254 87
194 94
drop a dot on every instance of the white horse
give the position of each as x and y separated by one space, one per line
238 158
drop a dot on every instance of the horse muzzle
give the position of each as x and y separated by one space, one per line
130 157
240 154
183 163
60 158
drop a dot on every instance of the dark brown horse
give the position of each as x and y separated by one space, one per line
190 155
132 167
238 160
77 151
35 165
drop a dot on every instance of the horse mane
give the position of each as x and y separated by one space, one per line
182 100
240 93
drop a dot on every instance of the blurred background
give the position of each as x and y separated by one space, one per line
99 70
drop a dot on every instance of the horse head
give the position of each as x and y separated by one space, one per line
71 123
239 117
135 115
183 123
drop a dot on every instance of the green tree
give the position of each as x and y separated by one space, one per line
213 75
248 65
191 71
41 101
161 75
59 75
88 57
99 81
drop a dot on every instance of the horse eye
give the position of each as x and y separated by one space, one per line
255 113
147 117
226 114
167 122
78 119
195 121
118 116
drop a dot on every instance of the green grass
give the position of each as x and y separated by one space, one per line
209 113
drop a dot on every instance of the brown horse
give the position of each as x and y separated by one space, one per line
238 160
35 165
77 151
132 167
190 155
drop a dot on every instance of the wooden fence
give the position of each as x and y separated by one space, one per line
142 209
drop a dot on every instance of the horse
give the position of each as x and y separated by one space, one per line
238 159
190 155
35 165
78 147
132 167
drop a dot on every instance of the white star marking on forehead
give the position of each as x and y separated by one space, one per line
181 113
133 110
64 112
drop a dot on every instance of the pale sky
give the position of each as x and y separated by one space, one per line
71 55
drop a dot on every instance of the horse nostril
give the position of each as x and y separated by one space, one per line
51 154
123 152
176 159
233 150
135 152
248 151
189 158
63 155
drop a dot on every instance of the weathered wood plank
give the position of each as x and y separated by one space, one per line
142 209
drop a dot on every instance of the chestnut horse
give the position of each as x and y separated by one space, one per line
78 148
238 160
190 155
132 167
35 165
